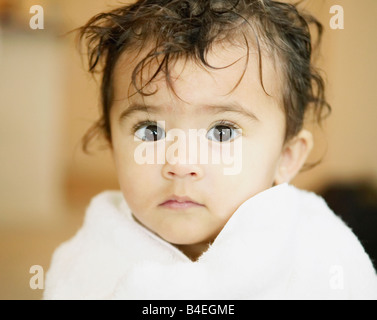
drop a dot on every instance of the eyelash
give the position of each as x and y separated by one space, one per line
142 124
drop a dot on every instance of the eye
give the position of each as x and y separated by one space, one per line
223 132
149 131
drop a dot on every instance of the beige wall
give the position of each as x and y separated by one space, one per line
349 60
31 105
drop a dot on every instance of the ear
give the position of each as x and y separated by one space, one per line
293 156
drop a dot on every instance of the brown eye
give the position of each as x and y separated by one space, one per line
222 133
150 132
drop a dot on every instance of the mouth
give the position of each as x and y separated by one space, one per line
176 202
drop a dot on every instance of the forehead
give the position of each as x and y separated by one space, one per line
234 74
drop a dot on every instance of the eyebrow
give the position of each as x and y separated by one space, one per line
215 109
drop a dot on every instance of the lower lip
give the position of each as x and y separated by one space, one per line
180 205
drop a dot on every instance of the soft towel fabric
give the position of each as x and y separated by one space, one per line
283 243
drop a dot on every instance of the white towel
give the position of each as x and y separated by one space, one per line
283 243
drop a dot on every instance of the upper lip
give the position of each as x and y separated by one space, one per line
180 199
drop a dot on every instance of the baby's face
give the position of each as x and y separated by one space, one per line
246 122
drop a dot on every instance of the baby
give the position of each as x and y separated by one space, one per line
203 106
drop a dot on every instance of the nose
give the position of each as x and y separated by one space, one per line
182 170
184 165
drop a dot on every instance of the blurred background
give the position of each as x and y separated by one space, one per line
48 101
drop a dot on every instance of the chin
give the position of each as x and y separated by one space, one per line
187 240
180 239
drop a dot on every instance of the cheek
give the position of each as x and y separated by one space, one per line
134 176
136 181
259 161
139 185
259 157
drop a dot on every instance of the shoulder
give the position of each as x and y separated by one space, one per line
77 262
328 247
319 227
108 245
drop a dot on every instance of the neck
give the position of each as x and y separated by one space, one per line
193 251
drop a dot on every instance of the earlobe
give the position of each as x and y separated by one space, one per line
293 156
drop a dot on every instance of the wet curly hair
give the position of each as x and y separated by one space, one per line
188 29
